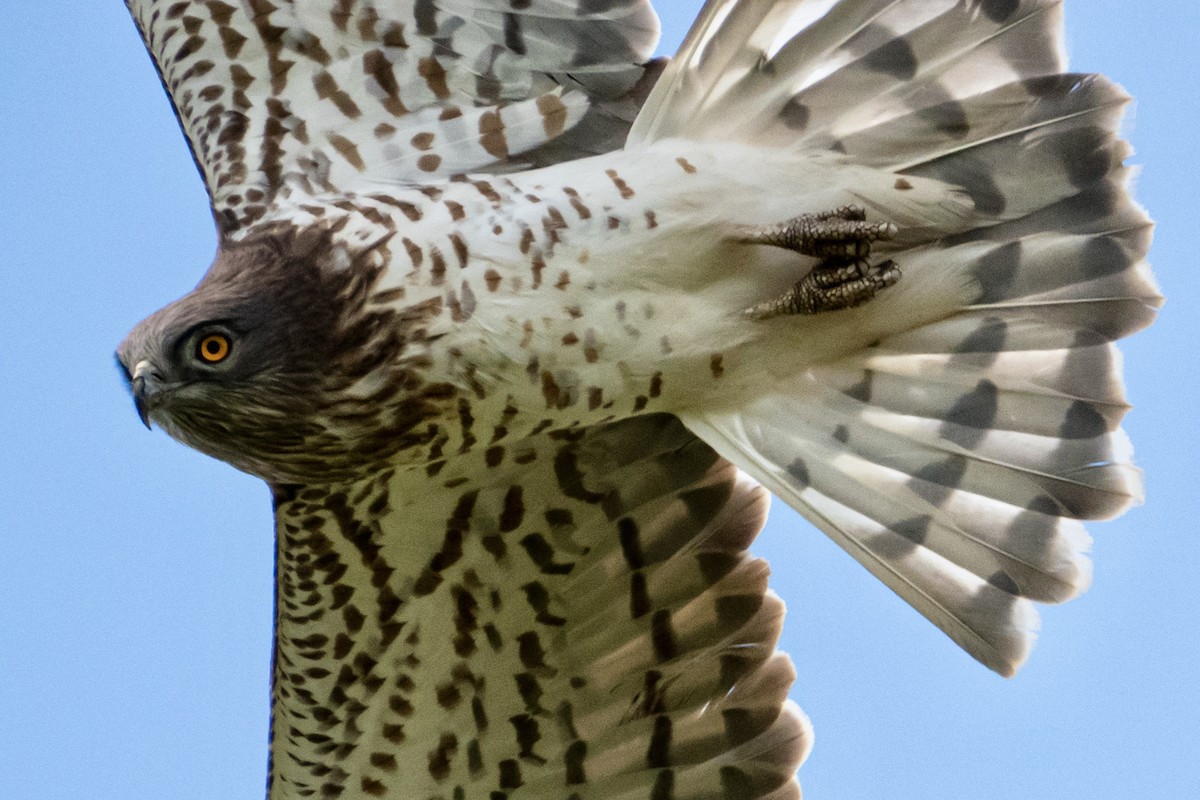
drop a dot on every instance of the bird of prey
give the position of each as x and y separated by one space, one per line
522 327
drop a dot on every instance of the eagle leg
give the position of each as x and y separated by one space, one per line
844 278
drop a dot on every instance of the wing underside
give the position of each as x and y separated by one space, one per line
307 97
578 619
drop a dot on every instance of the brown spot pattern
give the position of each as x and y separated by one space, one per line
622 187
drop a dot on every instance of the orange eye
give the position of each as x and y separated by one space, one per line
214 348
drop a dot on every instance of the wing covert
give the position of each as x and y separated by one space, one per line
581 618
308 96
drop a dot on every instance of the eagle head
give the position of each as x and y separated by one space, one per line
280 363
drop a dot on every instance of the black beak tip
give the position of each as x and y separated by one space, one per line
140 402
143 414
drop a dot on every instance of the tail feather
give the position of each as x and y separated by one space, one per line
984 613
1036 115
780 72
955 455
917 60
1058 156
975 512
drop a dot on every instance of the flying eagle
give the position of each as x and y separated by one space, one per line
522 327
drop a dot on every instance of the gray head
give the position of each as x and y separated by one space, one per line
262 364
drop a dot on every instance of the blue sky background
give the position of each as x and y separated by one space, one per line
135 575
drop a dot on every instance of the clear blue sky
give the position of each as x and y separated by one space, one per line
135 575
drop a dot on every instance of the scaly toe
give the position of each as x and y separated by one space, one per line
843 233
830 287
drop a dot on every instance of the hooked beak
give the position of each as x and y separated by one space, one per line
146 390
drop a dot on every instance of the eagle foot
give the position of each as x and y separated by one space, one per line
842 233
833 285
844 278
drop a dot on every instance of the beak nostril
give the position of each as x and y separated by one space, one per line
144 369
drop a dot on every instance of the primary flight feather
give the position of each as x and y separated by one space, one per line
506 313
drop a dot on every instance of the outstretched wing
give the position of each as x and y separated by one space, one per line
573 615
278 97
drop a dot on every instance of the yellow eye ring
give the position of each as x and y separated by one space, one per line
214 348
